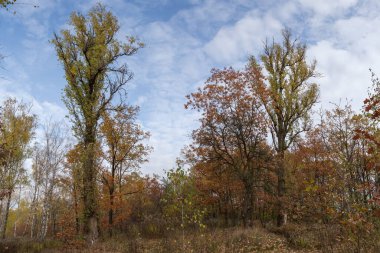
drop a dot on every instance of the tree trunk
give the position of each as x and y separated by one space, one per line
110 211
111 191
248 205
33 211
44 219
5 214
76 211
33 225
89 192
281 211
54 221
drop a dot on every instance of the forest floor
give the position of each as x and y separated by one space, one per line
219 241
229 240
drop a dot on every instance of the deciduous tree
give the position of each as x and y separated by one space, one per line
288 96
233 127
17 130
90 53
47 164
124 151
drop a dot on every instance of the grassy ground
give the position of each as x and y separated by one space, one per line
231 240
222 240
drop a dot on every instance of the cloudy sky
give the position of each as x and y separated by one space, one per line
184 40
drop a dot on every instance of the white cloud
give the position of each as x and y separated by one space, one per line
204 13
43 109
233 43
343 74
328 7
245 37
345 52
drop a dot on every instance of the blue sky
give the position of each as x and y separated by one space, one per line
184 40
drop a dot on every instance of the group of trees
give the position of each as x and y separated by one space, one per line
17 129
259 153
94 80
109 139
239 108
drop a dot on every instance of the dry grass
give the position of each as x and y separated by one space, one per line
327 238
290 238
232 240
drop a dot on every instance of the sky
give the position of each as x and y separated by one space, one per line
184 40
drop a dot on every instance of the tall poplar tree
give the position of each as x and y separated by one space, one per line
288 97
90 53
